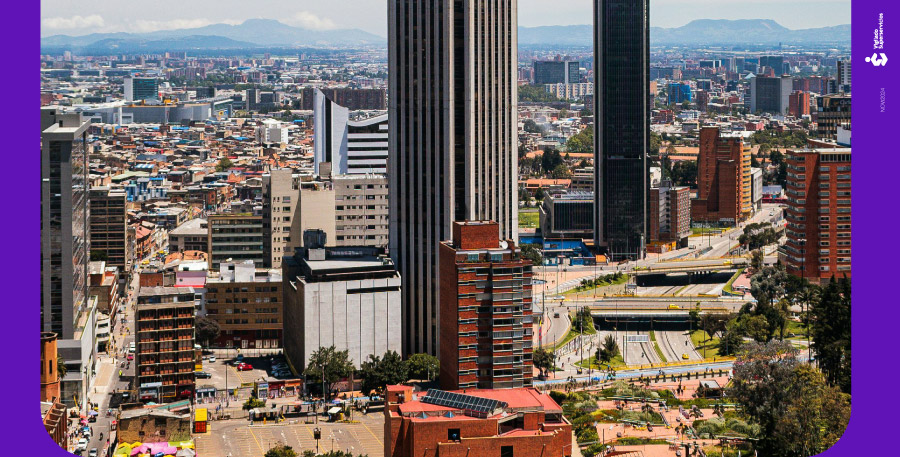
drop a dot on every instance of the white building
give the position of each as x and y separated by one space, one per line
570 91
272 132
346 297
351 147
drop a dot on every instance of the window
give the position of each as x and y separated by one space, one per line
506 451
453 434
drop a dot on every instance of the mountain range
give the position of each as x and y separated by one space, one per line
697 32
260 33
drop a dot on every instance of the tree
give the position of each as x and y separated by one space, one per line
561 171
550 159
281 450
655 143
684 173
732 338
712 323
581 142
532 253
534 93
608 350
816 416
830 332
532 127
543 360
61 369
378 372
206 329
756 260
254 402
767 285
328 365
423 366
224 164
755 326
99 255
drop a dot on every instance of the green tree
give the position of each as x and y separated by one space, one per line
608 350
684 173
732 338
423 366
224 164
61 369
581 142
561 171
534 93
544 360
532 127
531 252
830 317
755 326
329 366
767 285
254 402
712 323
655 143
550 159
98 256
815 417
206 329
378 372
281 450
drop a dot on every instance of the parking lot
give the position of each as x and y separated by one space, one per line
236 438
223 370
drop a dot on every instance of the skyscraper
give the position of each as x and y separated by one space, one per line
622 125
452 115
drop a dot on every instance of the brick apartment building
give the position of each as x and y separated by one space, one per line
723 179
818 213
798 103
164 343
247 304
484 423
485 305
670 217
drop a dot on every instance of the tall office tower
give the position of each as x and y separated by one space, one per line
452 115
798 103
770 95
723 178
832 111
776 63
486 330
109 227
843 75
351 147
281 216
622 126
556 72
139 89
818 214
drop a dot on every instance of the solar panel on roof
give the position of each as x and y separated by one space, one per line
478 405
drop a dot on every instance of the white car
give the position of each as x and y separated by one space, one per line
212 358
82 445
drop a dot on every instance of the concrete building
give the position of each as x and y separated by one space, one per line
141 89
190 236
567 215
556 72
770 94
281 215
56 423
724 192
50 380
756 188
346 297
844 78
453 140
272 131
798 104
109 227
678 93
670 216
246 302
621 127
818 214
570 91
503 422
152 425
350 147
235 237
164 342
832 111
66 308
486 326
361 210
349 97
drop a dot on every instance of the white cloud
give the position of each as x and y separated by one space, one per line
310 21
143 25
73 22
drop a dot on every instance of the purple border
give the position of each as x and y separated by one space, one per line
874 318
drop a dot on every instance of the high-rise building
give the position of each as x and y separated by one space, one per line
141 89
348 97
109 227
670 214
724 183
361 210
622 126
164 344
235 237
770 95
453 153
556 72
246 302
818 213
568 215
486 328
832 111
843 75
776 63
351 147
798 103
678 93
281 215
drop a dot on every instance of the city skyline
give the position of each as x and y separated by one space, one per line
59 17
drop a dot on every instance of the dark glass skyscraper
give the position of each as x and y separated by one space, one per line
452 146
622 125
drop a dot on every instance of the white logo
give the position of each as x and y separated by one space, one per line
882 61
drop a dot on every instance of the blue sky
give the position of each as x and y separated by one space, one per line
88 16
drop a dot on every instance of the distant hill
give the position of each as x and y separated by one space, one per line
701 31
249 34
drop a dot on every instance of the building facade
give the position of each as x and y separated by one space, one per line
568 215
556 72
798 104
141 89
235 237
247 304
678 93
570 91
818 214
486 326
724 193
164 344
832 111
361 210
621 126
770 94
190 236
281 215
453 139
350 147
670 214
351 98
109 227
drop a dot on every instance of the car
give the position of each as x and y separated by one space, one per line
202 375
674 306
130 356
684 356
93 452
212 358
244 367
279 365
82 445
556 315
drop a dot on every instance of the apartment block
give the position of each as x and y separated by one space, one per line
190 236
798 104
832 111
486 318
246 302
361 210
164 337
235 237
109 227
670 214
818 213
724 182
281 215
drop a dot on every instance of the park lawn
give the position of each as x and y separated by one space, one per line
797 328
656 347
528 219
591 362
700 340
602 284
573 332
727 287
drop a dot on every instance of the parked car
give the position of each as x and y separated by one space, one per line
93 452
202 375
82 445
244 367
130 356
212 358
